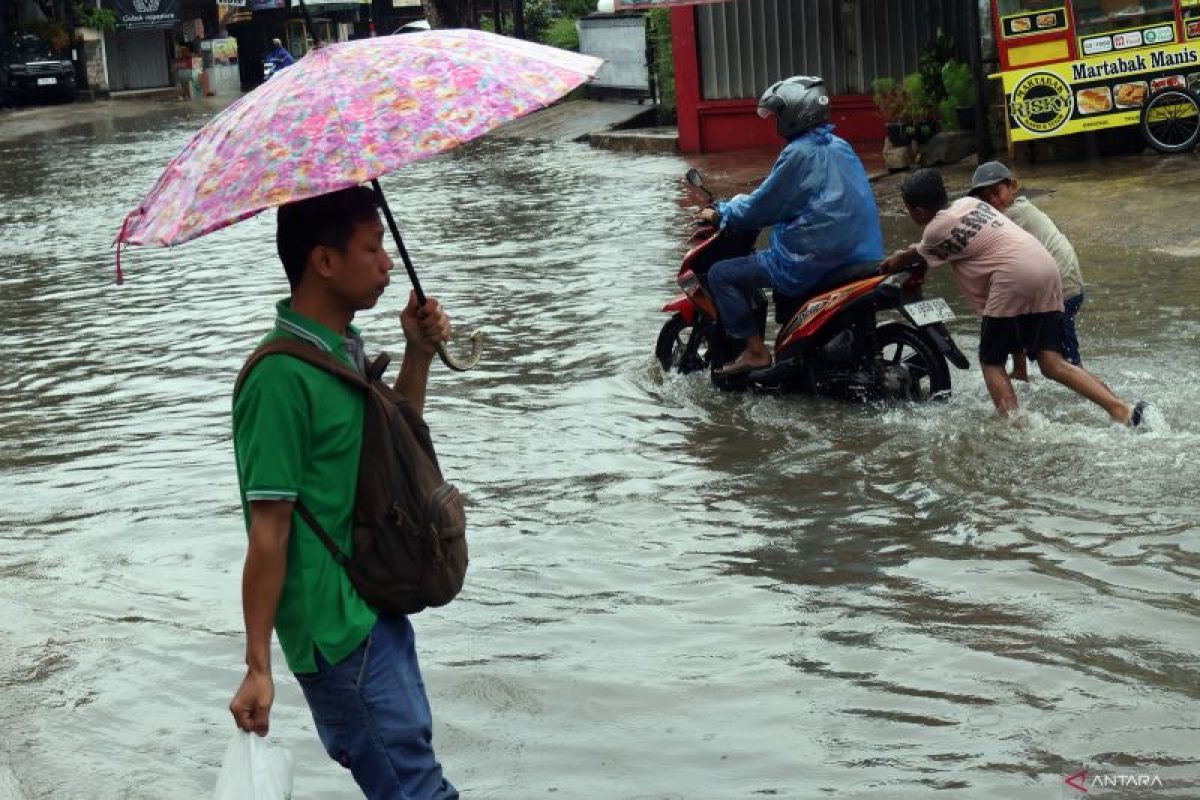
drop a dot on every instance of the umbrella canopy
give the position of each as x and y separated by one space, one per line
345 114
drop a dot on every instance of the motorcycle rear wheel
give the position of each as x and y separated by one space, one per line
901 346
682 348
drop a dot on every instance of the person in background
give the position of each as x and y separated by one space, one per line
1012 282
279 56
994 184
818 199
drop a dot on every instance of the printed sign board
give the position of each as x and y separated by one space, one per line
146 14
1106 91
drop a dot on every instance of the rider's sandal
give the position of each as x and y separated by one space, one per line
740 367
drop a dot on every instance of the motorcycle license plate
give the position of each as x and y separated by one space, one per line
929 312
47 81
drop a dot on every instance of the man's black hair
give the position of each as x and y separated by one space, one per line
326 219
925 189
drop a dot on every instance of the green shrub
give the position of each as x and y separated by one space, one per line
91 17
890 99
658 31
934 55
948 114
563 33
959 83
920 105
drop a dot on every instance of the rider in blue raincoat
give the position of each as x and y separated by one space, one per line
278 58
820 203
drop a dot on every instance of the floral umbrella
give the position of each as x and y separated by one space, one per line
346 114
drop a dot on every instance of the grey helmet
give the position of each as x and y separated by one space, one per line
799 104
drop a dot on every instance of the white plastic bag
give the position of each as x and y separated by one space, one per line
254 769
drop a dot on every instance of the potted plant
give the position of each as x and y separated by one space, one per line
892 101
960 94
919 115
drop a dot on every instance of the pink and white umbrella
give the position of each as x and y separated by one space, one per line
346 114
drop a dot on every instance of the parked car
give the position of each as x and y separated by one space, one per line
415 26
30 72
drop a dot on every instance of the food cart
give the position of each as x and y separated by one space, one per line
1072 66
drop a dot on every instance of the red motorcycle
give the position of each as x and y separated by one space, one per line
831 341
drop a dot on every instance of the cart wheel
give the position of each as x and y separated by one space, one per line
1171 121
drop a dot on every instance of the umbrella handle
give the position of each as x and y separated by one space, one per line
449 359
462 365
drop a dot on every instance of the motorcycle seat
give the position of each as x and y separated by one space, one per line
787 305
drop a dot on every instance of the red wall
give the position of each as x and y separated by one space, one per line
707 126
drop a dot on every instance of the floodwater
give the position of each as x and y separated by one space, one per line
673 593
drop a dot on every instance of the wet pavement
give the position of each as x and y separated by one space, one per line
673 593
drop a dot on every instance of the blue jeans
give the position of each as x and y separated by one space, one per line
732 283
1070 339
373 717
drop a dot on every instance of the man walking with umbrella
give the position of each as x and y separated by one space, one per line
297 438
389 101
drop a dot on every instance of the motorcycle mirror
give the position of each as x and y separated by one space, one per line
694 178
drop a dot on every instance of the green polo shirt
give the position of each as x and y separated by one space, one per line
297 433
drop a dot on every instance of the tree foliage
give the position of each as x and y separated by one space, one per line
449 13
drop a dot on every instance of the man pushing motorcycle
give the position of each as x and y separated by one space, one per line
818 199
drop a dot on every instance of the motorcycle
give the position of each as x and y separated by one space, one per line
831 341
269 68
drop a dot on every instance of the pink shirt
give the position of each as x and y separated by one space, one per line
1003 271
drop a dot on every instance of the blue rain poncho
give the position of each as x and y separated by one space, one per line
820 202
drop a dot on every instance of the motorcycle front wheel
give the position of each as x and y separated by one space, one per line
682 347
911 366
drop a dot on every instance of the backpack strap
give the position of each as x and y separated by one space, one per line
321 359
305 352
341 558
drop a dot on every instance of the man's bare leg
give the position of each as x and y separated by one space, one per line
1079 380
1020 370
1000 387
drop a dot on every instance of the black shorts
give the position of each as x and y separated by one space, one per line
1032 333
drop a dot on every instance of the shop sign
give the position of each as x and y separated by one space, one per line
1127 40
1193 29
1094 93
1097 45
267 5
224 51
146 14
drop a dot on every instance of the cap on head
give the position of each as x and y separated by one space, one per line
989 174
799 104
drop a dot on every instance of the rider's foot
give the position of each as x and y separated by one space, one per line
746 362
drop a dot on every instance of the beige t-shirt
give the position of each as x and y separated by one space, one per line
1034 221
1002 270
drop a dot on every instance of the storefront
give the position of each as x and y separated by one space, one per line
260 21
1076 66
139 50
726 53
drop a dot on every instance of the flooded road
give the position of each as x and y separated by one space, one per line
673 593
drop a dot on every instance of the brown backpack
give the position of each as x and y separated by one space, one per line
410 543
